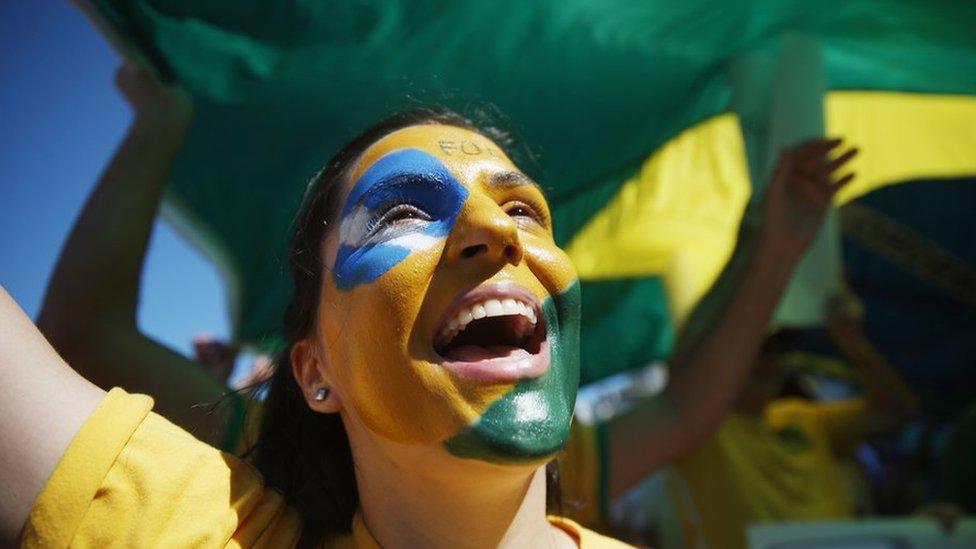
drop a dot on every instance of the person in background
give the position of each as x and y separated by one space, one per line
221 356
777 457
217 355
89 310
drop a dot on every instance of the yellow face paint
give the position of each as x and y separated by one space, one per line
437 220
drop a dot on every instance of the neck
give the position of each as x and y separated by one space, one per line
424 497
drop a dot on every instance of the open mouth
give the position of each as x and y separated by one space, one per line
494 333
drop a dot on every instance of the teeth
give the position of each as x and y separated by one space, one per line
487 308
493 307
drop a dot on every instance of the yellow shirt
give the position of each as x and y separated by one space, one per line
130 478
779 467
579 477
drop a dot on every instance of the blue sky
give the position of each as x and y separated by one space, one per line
62 119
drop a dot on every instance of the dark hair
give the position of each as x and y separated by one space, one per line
303 454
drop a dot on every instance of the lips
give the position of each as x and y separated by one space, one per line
494 333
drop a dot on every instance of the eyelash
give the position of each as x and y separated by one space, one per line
404 211
534 211
394 214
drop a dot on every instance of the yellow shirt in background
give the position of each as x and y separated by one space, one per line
782 466
130 478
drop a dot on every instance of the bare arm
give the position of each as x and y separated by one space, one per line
714 354
44 405
889 401
89 312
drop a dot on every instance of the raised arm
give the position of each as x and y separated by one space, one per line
43 406
715 351
89 312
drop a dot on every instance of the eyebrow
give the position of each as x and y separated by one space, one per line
390 169
511 179
390 183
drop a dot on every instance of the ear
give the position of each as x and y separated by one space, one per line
311 373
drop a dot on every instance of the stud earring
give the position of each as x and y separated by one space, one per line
321 393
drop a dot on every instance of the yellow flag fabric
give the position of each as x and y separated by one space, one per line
677 217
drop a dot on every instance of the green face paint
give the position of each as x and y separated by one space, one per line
532 421
407 383
395 295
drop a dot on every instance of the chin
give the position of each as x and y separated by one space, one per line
526 426
531 423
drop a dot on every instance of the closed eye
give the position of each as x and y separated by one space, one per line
401 215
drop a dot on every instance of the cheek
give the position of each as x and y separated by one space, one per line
379 354
374 293
549 263
367 346
368 326
355 266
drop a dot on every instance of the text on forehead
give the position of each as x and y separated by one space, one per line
470 148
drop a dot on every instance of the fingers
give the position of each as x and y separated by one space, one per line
841 183
835 164
812 192
816 159
811 156
813 167
816 147
806 176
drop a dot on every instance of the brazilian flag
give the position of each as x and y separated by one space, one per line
652 124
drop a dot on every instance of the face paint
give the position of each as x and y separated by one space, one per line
393 281
532 421
371 243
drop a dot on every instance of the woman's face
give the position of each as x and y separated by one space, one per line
448 314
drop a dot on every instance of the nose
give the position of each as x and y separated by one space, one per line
485 232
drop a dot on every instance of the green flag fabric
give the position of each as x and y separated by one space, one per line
589 89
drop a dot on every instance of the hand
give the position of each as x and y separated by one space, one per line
801 190
151 99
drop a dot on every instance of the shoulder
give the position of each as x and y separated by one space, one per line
59 509
132 477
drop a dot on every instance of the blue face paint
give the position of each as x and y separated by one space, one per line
370 243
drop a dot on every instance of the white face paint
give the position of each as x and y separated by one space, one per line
395 278
355 231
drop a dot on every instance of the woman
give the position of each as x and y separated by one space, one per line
433 327
458 394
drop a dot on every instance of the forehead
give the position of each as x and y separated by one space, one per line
462 151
